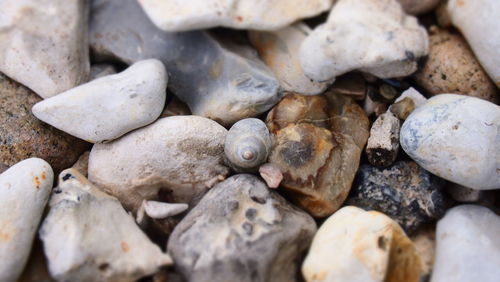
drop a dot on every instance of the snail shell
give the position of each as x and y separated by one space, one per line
248 144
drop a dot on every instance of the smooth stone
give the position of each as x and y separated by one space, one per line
402 109
82 164
23 136
457 138
464 194
356 245
36 269
88 236
404 191
241 231
451 67
280 51
351 84
43 44
100 70
383 144
172 15
109 107
175 160
372 36
24 192
271 174
467 245
219 81
424 241
175 107
478 22
160 210
418 7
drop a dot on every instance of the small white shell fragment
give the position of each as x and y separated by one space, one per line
161 210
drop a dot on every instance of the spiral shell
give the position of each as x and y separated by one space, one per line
248 144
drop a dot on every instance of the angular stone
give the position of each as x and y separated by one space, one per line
457 138
241 231
176 160
107 108
216 80
24 192
23 136
88 236
43 44
417 7
383 143
355 245
368 35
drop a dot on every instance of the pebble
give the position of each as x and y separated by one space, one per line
24 192
175 160
452 68
107 108
88 236
402 109
160 210
82 164
456 137
464 194
368 35
172 15
23 136
220 81
280 51
357 245
418 7
467 245
424 241
271 174
43 45
100 70
383 143
175 107
404 191
241 231
351 84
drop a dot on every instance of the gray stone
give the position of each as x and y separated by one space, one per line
100 70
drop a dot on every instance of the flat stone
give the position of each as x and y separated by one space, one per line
107 108
43 44
457 138
347 41
23 136
467 245
418 7
171 15
88 236
175 160
241 231
383 143
24 192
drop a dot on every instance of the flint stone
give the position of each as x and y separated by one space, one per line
383 143
241 231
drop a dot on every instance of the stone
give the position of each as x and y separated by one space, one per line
88 236
23 136
383 143
404 191
368 35
172 15
241 231
175 107
442 16
219 81
471 253
175 160
44 44
417 98
483 36
319 140
280 51
24 192
82 164
452 68
107 108
160 210
100 70
402 109
418 7
374 107
464 194
36 269
351 84
457 138
271 174
357 245
424 241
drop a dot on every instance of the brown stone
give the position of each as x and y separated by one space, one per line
351 84
425 244
418 7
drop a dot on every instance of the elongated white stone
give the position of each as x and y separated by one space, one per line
161 210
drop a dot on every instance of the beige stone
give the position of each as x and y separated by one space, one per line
417 7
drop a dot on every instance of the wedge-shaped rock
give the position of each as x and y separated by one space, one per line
88 236
175 160
43 44
106 108
24 192
369 35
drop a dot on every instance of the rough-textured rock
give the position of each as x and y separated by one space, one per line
106 108
23 136
43 44
319 140
457 138
452 68
280 51
355 245
24 192
404 191
350 84
369 35
176 160
467 245
417 7
424 241
174 15
241 231
100 70
218 81
88 236
383 143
